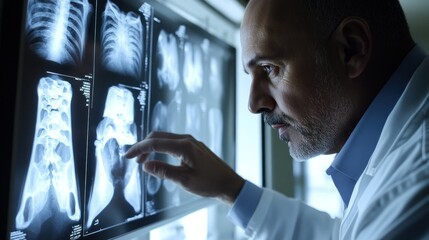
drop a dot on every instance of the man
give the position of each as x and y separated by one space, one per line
334 76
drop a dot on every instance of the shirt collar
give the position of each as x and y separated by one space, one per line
354 156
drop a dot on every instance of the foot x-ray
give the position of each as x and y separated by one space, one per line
51 176
115 132
56 29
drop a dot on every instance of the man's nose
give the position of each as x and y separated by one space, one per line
260 98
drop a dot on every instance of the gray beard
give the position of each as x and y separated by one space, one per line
320 128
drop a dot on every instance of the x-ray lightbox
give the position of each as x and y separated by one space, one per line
86 80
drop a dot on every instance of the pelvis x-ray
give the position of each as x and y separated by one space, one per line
51 177
122 41
115 132
56 29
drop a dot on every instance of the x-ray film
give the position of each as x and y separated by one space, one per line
56 30
122 40
113 173
98 76
51 173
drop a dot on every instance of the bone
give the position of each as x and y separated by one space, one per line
52 159
122 41
193 69
159 117
56 29
168 60
215 130
215 79
115 133
194 115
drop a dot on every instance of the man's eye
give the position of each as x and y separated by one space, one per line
267 68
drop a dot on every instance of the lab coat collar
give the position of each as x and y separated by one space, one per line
352 159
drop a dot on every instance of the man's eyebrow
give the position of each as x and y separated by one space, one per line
250 64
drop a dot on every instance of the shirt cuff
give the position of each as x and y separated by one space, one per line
245 204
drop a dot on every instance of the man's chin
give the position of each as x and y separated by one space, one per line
284 138
299 155
298 158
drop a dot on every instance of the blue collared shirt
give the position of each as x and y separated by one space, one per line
350 162
353 157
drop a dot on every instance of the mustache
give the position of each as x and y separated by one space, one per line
272 119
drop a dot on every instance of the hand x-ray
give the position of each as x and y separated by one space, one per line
97 76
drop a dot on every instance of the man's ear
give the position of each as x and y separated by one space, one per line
355 45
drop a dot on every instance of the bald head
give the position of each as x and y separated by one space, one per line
270 11
271 28
317 65
270 17
385 17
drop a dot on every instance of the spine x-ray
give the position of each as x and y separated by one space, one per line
122 41
51 173
57 29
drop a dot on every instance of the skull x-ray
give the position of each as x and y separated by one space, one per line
51 176
56 29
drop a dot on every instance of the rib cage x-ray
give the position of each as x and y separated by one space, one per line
56 29
122 41
51 173
193 68
114 133
168 60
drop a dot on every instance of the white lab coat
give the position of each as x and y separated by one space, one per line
390 199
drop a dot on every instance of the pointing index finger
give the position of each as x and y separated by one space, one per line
159 145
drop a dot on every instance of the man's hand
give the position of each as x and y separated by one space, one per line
200 171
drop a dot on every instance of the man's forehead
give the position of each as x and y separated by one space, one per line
272 9
263 11
272 16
